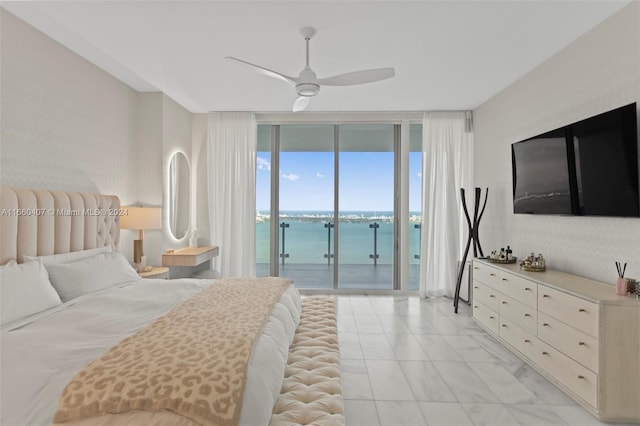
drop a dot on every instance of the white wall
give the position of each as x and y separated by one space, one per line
68 125
598 72
148 173
65 123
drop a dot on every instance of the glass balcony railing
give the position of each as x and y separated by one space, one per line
306 241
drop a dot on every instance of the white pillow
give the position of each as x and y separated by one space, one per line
11 262
68 257
25 290
88 275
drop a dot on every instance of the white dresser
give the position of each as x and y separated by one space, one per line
575 331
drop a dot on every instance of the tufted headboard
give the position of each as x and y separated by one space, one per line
38 222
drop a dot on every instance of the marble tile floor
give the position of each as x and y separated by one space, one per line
411 361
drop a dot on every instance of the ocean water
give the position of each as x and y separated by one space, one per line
307 240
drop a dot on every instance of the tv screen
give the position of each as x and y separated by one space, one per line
588 168
541 175
606 161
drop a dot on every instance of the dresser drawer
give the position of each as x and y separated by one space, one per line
576 312
486 274
488 317
486 295
521 289
576 344
517 337
575 376
519 313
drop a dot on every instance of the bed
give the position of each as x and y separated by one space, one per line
79 347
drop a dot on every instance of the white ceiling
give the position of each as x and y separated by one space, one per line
448 55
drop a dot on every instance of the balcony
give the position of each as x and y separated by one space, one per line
306 244
352 276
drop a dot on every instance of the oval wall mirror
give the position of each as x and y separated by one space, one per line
179 193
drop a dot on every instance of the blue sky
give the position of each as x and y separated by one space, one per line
306 181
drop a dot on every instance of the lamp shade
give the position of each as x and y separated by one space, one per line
141 218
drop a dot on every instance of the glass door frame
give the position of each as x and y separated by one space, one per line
401 254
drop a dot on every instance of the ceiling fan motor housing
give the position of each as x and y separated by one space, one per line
307 89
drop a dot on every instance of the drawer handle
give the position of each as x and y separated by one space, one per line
581 344
504 279
545 295
504 302
475 286
527 315
504 325
492 295
475 306
545 324
580 376
527 341
527 289
491 317
545 353
475 267
582 310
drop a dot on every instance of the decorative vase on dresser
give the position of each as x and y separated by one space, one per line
575 331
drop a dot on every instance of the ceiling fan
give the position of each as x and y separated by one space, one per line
308 85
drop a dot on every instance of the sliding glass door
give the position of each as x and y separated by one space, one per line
306 205
366 208
327 201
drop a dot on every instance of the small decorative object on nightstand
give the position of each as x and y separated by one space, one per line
193 241
156 272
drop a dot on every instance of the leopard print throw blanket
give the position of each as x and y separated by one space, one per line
192 361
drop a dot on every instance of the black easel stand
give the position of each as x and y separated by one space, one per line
473 235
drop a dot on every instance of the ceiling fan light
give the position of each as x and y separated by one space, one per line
307 89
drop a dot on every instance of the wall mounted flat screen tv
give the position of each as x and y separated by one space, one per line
588 168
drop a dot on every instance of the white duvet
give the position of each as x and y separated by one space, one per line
41 355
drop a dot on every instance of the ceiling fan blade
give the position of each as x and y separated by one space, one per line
265 71
301 103
358 77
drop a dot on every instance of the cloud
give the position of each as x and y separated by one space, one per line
263 164
319 175
290 177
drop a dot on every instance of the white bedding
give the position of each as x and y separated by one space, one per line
40 356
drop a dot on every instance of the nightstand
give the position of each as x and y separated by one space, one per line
156 272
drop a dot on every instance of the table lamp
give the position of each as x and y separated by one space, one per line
140 218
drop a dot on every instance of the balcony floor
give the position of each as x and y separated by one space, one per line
358 277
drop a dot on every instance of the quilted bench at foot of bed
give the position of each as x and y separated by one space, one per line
312 391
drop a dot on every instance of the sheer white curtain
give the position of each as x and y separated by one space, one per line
232 139
447 166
